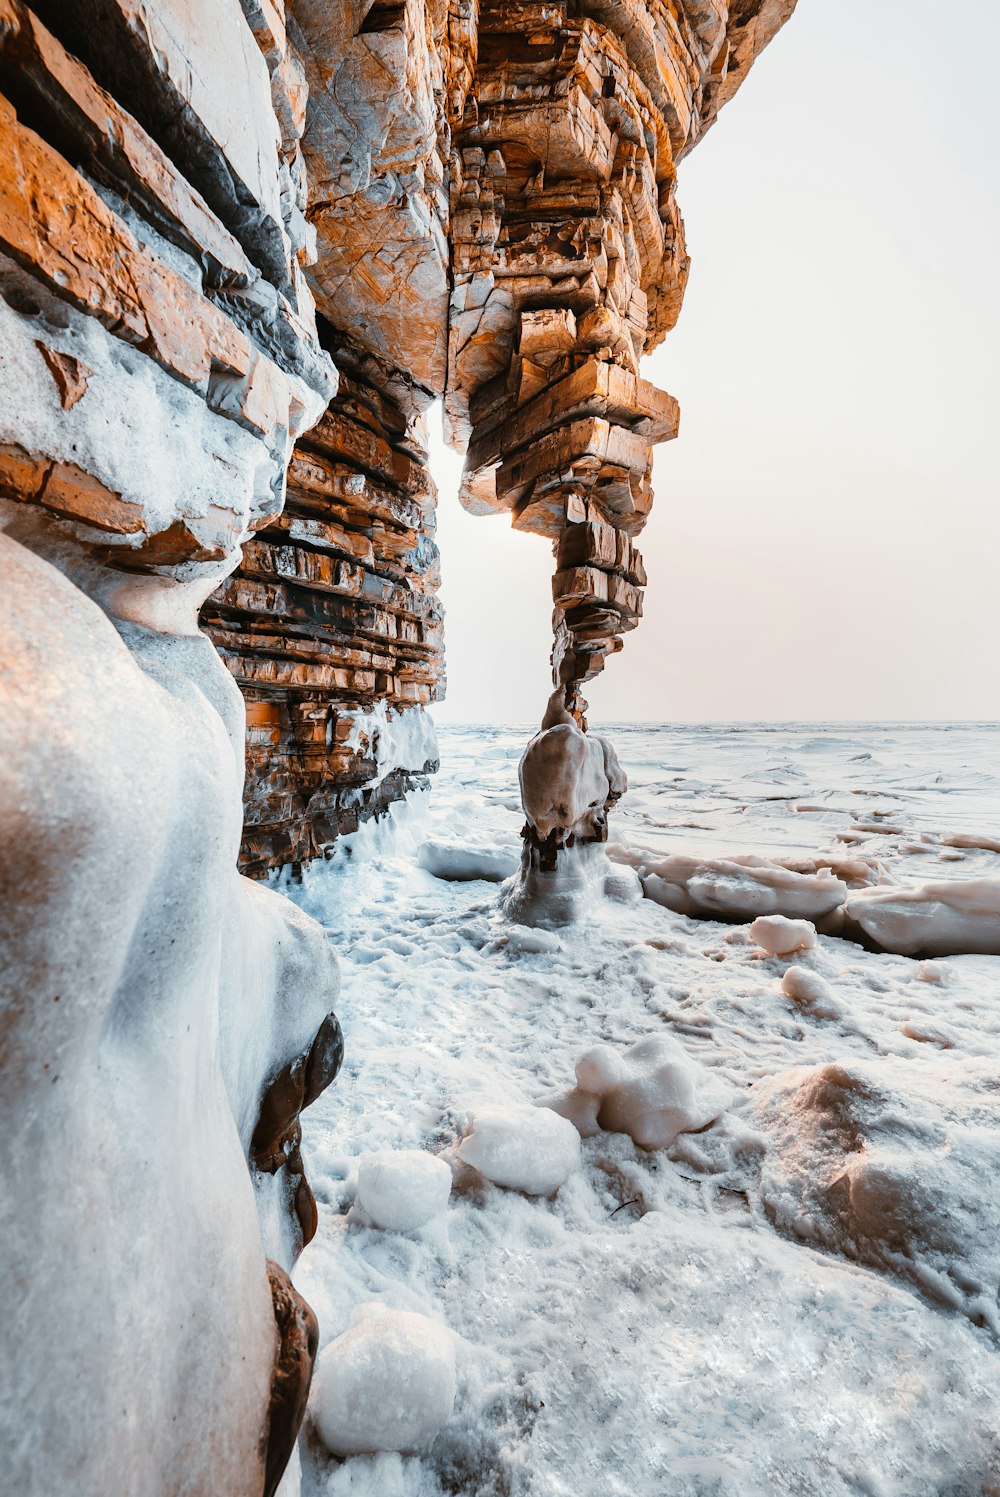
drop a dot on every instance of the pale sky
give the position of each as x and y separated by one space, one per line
825 539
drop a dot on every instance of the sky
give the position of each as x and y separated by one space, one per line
825 537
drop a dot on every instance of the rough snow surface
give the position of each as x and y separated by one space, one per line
402 1189
388 1383
801 1297
530 1149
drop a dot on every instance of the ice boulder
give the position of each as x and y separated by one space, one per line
387 1383
779 936
460 864
524 1148
652 1091
945 919
811 993
402 1189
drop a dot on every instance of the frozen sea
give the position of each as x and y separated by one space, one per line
800 1297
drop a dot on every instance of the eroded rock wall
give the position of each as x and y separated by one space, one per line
494 203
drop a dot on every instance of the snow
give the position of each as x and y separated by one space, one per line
388 1383
522 1148
402 1190
779 936
798 1296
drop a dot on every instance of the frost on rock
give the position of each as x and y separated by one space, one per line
387 1383
779 936
652 1091
530 1149
402 1190
942 919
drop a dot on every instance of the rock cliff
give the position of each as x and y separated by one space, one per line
244 247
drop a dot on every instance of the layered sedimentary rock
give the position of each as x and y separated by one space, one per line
493 200
569 265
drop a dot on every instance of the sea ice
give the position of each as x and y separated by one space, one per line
779 936
388 1383
652 1091
455 861
942 919
738 887
524 1148
401 1190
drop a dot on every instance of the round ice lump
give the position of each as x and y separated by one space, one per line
522 1147
779 936
402 1189
388 1383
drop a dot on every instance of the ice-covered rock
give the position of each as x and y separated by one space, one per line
779 936
459 863
652 1091
569 781
942 919
401 1190
530 1149
387 1383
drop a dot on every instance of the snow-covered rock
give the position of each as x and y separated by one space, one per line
652 1091
942 919
779 936
530 1149
401 1190
387 1383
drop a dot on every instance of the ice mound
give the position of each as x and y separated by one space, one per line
862 1160
932 919
811 993
458 863
388 1383
779 936
524 1148
402 1189
652 1091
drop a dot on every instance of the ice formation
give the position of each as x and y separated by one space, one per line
401 1190
779 936
737 888
458 862
387 1383
652 1091
939 919
569 782
529 1149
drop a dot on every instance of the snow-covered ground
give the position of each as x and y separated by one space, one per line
801 1297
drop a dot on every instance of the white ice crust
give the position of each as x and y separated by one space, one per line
387 1383
402 1190
524 1148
